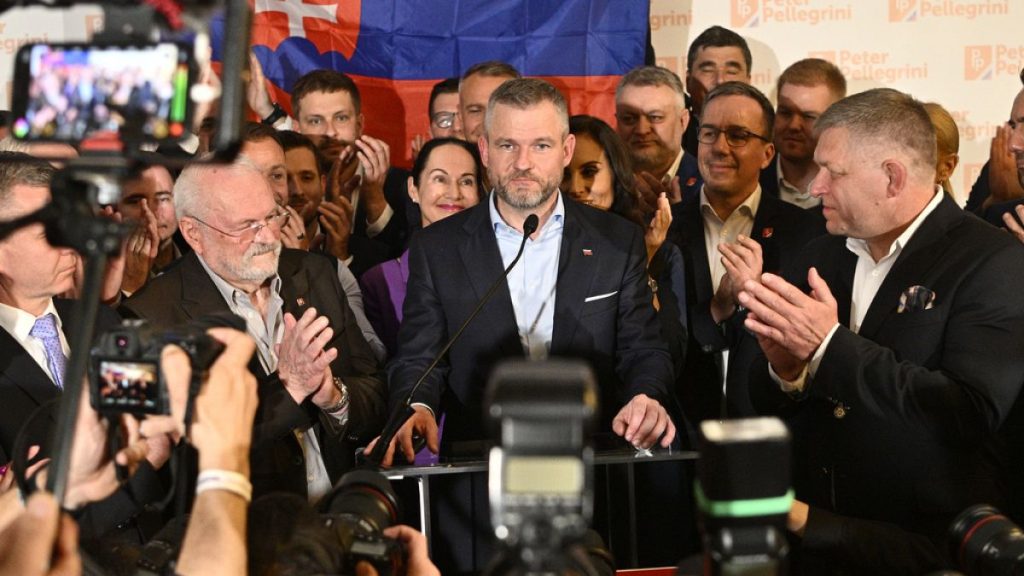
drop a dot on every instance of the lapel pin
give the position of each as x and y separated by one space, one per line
767 232
300 301
691 181
588 252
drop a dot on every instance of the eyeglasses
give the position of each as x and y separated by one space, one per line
275 222
735 136
443 120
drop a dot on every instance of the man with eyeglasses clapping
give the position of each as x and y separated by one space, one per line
730 217
319 382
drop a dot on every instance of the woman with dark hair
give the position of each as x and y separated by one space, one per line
601 175
445 179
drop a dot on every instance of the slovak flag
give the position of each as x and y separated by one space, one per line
396 50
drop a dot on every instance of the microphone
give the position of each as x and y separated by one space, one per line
405 410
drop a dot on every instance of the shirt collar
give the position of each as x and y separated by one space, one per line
859 246
230 293
673 168
19 323
501 227
747 208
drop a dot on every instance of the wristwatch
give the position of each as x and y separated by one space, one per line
342 404
275 115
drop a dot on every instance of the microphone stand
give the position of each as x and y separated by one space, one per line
405 411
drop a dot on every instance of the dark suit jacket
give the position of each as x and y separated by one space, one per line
769 178
24 386
395 233
186 292
769 181
782 230
897 425
690 180
452 263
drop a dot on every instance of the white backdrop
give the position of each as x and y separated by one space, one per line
964 54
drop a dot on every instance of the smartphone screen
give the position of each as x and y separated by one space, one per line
76 92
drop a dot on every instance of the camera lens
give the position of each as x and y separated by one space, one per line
366 498
983 541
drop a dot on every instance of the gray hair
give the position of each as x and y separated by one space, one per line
20 169
652 76
191 189
523 93
889 118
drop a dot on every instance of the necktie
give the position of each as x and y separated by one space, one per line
45 329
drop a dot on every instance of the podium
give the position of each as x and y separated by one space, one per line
622 541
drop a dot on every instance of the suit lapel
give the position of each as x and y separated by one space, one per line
18 367
692 234
294 287
763 232
925 250
482 263
199 295
578 261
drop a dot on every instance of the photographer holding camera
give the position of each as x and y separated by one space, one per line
221 432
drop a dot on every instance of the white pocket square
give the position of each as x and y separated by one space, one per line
600 297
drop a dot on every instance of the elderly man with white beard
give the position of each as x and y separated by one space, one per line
320 387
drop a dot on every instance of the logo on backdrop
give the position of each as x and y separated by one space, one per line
751 13
872 66
902 10
911 10
978 63
985 62
671 19
746 13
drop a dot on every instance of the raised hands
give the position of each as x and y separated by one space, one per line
656 232
743 262
304 364
1002 171
140 250
789 325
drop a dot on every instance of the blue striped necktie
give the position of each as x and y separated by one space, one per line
45 329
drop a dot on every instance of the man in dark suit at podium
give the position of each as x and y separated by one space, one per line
579 291
903 362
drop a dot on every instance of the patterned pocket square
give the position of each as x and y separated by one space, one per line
916 299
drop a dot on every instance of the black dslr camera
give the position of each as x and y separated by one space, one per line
125 367
983 541
289 537
541 484
744 495
358 510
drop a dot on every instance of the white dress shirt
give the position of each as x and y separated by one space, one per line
867 279
18 324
